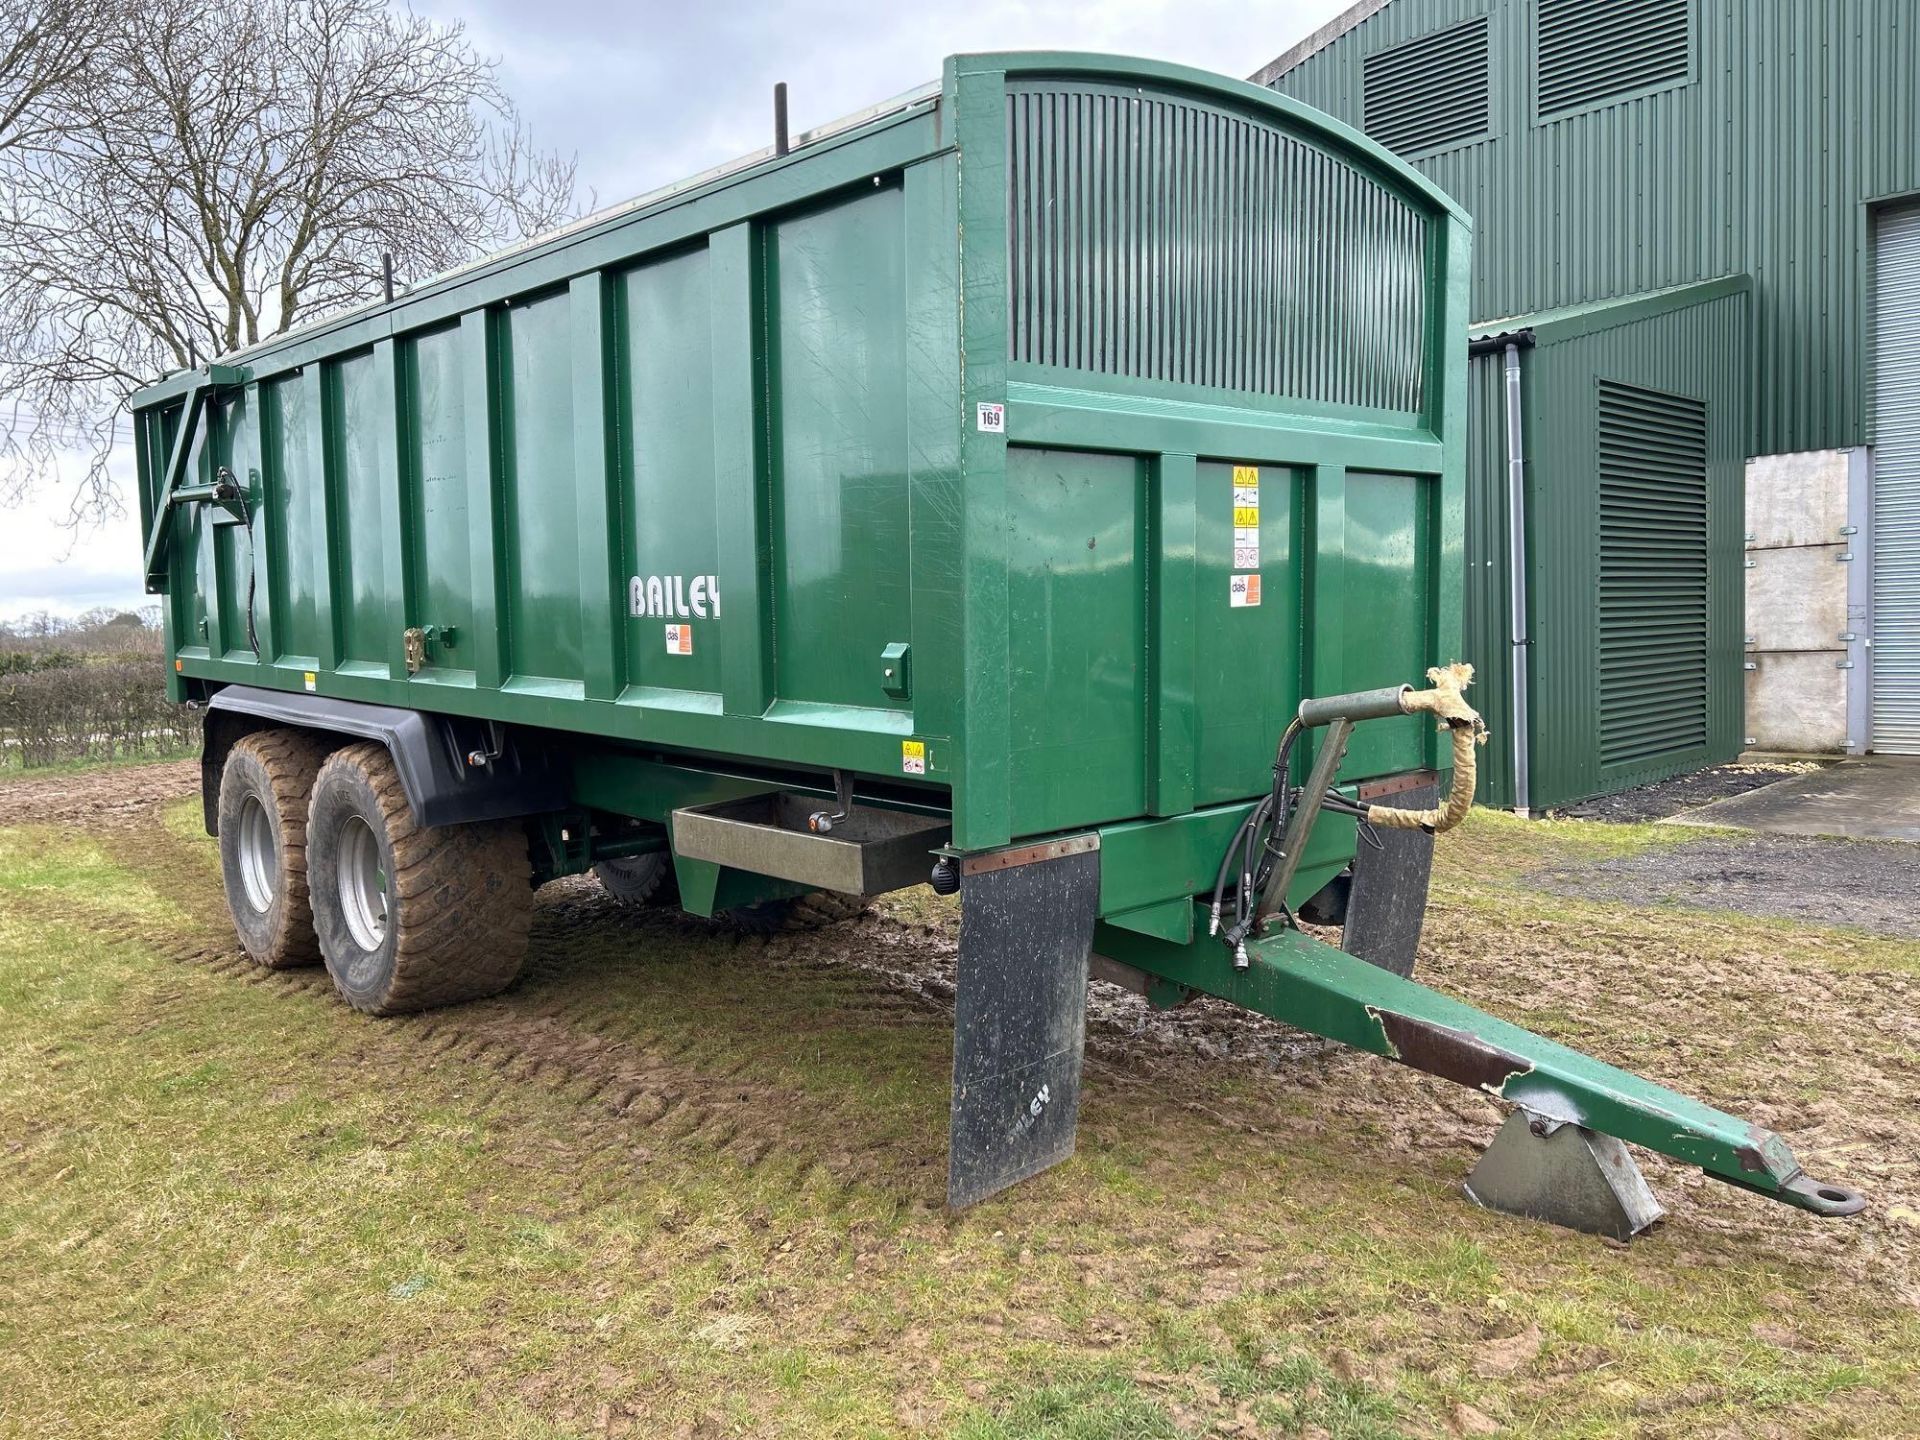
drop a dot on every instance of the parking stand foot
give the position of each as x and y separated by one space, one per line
1564 1174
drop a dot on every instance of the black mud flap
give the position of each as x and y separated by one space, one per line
1388 902
1020 1012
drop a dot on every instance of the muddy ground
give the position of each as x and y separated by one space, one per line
913 946
1667 798
1827 1053
119 796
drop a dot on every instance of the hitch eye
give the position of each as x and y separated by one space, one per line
1822 1199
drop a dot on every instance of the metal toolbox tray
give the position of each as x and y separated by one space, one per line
868 852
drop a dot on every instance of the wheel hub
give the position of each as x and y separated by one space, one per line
363 885
259 855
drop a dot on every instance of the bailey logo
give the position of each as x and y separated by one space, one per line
673 595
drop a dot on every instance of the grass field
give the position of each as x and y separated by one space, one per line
678 1183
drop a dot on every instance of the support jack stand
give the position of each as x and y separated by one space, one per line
1565 1174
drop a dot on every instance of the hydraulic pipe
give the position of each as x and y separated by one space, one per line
1444 700
1360 705
1462 723
1333 748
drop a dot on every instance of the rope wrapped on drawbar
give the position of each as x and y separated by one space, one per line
1446 701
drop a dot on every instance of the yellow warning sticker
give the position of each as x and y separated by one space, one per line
1246 475
309 679
1246 515
913 757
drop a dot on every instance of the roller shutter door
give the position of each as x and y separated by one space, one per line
1896 485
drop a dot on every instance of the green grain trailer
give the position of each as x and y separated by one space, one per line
974 491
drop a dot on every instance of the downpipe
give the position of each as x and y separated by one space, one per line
1517 577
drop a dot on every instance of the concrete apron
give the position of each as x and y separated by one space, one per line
1872 798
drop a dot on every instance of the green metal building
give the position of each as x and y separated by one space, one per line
1631 427
1609 149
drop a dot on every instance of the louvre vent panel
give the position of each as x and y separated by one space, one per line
1591 50
1653 574
1161 240
1429 92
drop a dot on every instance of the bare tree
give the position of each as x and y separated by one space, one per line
43 51
226 169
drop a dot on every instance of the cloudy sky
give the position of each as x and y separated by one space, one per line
649 93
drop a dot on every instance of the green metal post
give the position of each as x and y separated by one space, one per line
602 587
1174 493
393 517
984 723
740 462
488 641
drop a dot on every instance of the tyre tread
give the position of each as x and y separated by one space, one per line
463 902
291 760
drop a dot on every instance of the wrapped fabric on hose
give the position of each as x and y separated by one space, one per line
1463 721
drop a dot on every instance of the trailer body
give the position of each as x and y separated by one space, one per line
965 385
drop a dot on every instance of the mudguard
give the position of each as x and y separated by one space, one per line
429 751
1387 904
1020 1012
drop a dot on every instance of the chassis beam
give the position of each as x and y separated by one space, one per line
1298 980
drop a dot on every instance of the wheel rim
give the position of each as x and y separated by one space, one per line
363 884
259 855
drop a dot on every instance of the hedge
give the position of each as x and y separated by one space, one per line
107 710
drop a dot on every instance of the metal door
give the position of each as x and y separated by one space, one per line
1896 485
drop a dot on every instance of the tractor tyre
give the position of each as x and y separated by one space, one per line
817 910
639 879
265 786
411 916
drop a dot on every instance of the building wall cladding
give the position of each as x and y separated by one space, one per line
1685 345
1794 116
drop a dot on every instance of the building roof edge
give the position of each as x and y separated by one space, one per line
1346 20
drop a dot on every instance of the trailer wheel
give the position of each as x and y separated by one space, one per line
411 916
638 879
264 787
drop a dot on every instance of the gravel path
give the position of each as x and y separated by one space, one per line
1870 884
1666 798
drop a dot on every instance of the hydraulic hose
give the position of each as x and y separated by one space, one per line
1468 730
1253 847
1256 849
